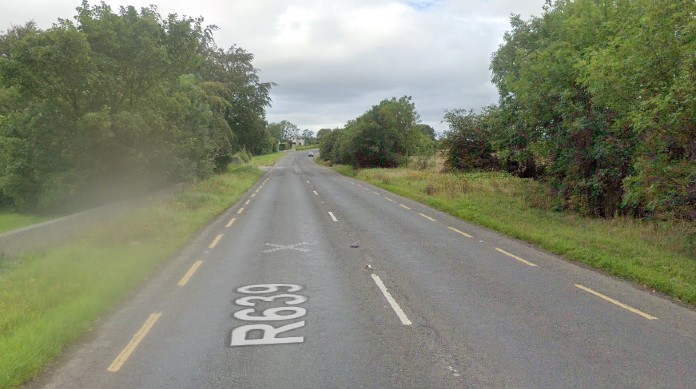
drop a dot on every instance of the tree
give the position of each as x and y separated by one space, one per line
427 131
384 136
121 101
596 97
468 141
321 133
308 136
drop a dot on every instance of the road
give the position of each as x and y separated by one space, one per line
315 280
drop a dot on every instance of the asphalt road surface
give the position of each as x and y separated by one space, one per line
315 280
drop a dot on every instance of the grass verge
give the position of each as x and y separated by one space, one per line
267 159
49 299
657 255
13 221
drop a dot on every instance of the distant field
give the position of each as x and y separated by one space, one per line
13 221
657 255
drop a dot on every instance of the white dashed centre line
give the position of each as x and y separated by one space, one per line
315 192
395 306
403 206
333 217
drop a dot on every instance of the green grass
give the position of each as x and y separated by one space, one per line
307 147
657 255
13 221
49 299
267 159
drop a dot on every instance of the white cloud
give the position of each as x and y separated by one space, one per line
333 60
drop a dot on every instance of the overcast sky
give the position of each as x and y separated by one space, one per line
333 60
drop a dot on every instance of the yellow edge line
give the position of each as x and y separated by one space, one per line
240 210
403 206
229 224
189 273
460 232
611 300
128 350
427 217
526 262
215 241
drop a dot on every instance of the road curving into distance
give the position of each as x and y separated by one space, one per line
315 280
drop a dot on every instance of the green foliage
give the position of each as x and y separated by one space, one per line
468 141
384 136
328 143
243 156
597 99
121 102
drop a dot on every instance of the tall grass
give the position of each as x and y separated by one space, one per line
660 255
48 299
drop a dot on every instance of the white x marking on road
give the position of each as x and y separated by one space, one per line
278 247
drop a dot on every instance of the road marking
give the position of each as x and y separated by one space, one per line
403 206
395 306
240 210
315 192
427 217
377 193
333 217
388 199
278 247
229 224
611 300
185 279
215 241
247 202
526 262
368 189
460 232
137 338
308 181
253 195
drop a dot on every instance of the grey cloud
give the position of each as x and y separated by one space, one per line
333 60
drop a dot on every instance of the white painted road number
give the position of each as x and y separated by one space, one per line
266 333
